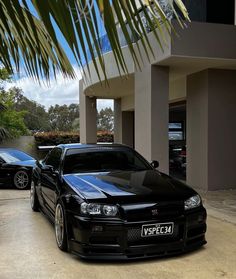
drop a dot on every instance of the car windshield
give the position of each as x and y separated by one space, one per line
110 159
10 156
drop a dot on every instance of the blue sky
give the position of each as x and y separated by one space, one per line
59 92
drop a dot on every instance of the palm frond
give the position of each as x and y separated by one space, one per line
33 38
23 38
4 134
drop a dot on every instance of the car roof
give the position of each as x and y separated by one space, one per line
15 151
83 146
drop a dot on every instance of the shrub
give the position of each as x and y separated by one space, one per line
105 136
55 138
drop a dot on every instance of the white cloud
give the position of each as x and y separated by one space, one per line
61 91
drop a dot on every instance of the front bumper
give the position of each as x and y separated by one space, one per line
122 240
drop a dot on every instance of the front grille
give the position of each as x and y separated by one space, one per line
134 234
165 211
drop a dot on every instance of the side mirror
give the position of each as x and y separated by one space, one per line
155 164
51 170
48 168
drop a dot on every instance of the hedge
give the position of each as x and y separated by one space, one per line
55 138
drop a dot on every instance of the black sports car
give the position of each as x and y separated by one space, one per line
108 202
15 168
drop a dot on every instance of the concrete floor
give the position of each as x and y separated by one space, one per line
28 250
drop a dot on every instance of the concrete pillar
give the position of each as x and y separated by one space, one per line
117 121
88 117
123 125
211 129
152 114
128 128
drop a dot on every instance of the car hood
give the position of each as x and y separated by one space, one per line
128 186
29 163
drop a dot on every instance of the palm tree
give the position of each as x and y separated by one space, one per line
28 32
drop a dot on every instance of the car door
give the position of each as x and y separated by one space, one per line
49 178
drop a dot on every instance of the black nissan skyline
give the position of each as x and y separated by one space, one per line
107 202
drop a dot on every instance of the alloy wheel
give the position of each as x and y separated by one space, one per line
32 194
59 225
21 180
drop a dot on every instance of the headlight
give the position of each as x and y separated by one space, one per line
110 210
98 209
91 208
192 202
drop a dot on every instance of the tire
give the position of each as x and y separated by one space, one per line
60 227
21 180
34 202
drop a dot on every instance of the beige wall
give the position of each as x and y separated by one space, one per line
152 113
111 69
202 39
93 86
222 129
211 129
127 103
177 89
88 117
197 47
117 121
128 128
197 129
123 125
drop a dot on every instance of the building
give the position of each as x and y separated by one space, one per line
193 82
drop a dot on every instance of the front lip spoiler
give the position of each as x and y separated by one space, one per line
138 255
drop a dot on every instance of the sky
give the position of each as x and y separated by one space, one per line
59 92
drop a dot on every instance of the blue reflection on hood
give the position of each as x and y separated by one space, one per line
91 186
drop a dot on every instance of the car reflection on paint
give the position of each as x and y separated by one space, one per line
108 202
15 168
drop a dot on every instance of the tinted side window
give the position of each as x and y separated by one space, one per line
53 158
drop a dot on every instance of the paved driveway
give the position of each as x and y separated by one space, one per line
28 250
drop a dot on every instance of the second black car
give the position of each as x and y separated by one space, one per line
15 168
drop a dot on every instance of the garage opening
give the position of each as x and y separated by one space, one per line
177 140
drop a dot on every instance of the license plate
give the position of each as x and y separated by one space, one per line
157 229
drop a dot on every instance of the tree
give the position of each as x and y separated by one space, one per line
62 118
36 118
105 120
30 34
11 121
4 76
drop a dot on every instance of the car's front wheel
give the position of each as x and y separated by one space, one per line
21 180
33 197
60 227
